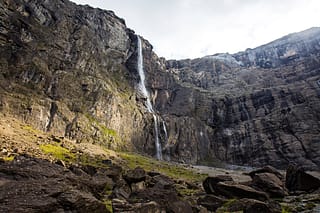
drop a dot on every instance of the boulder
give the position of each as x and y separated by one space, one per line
211 202
163 197
122 190
179 206
235 190
114 172
136 175
250 206
297 179
269 183
210 182
162 181
119 205
267 169
140 186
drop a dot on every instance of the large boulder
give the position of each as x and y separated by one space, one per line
136 175
119 205
122 190
211 202
250 206
297 179
236 190
210 182
267 169
269 183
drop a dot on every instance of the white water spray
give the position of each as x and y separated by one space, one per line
144 92
167 148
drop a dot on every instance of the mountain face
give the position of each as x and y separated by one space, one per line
72 70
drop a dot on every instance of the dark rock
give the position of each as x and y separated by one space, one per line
123 206
210 182
267 169
122 190
135 176
211 202
235 190
162 181
153 173
269 183
297 179
251 206
55 139
80 201
35 185
107 162
179 206
90 170
159 195
114 172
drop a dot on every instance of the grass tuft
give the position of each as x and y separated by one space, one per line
58 152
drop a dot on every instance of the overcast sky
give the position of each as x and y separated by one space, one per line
195 28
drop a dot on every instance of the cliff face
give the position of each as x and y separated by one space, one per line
72 70
63 70
255 107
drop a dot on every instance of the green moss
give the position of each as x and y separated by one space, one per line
102 128
171 170
108 204
95 161
285 209
108 137
107 131
58 152
31 129
186 191
225 207
10 158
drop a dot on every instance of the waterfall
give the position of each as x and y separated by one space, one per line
144 92
158 145
167 148
165 130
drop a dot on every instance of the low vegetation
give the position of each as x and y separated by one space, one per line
58 152
172 170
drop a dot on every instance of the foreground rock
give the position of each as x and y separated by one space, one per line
269 180
35 185
236 190
211 202
210 183
297 179
141 188
267 169
251 206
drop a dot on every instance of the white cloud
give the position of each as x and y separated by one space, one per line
194 28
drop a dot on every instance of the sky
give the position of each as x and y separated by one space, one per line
180 29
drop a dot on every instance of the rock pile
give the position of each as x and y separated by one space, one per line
36 185
257 195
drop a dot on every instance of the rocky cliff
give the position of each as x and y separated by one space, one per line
63 70
72 70
256 107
